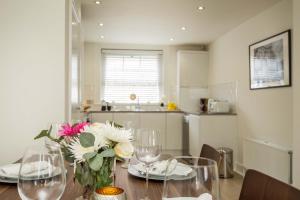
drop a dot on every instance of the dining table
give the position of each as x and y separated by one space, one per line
133 186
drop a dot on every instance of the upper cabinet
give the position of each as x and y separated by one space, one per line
192 68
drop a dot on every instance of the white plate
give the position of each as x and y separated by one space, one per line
8 180
13 178
135 172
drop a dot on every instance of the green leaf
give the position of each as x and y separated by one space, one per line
43 133
115 124
107 153
90 155
87 139
96 162
78 173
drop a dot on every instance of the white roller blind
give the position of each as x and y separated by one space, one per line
127 72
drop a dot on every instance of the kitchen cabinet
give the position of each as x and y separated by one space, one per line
214 130
167 123
155 121
130 119
101 117
174 122
192 68
192 82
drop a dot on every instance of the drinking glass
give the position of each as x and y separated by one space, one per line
147 149
42 173
191 178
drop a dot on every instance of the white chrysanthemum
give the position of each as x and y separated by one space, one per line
116 134
78 150
96 130
100 141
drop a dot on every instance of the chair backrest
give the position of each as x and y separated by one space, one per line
259 186
210 153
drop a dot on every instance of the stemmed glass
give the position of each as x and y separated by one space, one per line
42 173
147 150
191 178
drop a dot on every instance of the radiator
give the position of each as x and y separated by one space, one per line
269 158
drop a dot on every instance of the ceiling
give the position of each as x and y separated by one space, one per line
157 21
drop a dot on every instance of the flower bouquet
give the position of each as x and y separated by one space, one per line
93 149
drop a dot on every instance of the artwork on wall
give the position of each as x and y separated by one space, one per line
270 62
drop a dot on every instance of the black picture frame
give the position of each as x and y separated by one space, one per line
270 62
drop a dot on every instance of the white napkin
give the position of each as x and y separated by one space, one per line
28 169
159 168
204 196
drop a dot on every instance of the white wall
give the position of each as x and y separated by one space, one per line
92 67
32 71
262 114
296 91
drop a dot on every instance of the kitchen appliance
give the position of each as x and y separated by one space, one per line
203 105
215 106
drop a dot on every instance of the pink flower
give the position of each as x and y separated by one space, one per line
69 130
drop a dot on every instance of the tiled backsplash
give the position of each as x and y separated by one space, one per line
189 98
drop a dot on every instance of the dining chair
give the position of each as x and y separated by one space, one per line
209 152
259 186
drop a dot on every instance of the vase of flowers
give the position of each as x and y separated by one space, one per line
93 149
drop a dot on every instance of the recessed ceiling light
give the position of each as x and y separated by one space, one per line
101 24
171 39
183 28
201 8
102 37
97 2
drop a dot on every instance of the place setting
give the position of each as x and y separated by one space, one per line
183 177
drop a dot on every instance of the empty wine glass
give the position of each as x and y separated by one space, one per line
128 125
147 149
191 178
42 173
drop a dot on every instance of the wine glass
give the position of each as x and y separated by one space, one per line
191 178
128 125
42 173
147 149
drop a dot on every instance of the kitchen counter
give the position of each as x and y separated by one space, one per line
136 111
208 114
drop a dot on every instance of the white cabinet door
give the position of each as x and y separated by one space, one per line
214 130
101 117
174 131
156 121
219 131
129 120
192 68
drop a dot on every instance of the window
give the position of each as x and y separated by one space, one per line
128 72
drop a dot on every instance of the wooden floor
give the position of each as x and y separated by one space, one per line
231 188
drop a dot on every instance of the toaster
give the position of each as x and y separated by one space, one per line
214 106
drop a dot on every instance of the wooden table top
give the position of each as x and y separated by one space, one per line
133 186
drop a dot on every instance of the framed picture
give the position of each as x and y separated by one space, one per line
270 62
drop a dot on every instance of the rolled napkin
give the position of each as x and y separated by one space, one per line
28 169
159 168
204 196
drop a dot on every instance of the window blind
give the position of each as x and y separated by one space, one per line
131 72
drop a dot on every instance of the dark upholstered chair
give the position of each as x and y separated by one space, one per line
258 186
210 153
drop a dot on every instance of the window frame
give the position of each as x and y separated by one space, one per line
130 52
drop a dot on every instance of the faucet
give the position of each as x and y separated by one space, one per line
138 103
